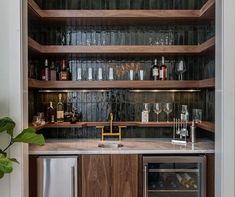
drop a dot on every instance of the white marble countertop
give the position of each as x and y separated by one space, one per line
131 146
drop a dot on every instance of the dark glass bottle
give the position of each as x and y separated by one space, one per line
163 70
155 70
51 113
63 72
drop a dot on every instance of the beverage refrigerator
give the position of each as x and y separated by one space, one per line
174 176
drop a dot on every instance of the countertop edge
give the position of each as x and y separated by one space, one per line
120 152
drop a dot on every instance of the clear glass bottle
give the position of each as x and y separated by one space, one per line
60 110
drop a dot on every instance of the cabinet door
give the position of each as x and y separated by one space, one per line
210 175
96 171
125 171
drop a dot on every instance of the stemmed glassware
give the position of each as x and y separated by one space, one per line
146 107
168 109
180 68
157 108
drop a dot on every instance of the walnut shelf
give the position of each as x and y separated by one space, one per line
208 126
122 16
170 84
121 49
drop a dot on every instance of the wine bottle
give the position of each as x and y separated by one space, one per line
155 70
182 181
60 110
190 181
163 70
51 113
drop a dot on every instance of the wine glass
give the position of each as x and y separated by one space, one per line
180 69
168 109
146 107
157 108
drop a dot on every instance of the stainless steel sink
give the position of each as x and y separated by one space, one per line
110 145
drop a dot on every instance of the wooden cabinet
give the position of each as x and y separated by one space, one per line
96 176
110 175
210 175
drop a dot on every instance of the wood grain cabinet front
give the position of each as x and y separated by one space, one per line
110 175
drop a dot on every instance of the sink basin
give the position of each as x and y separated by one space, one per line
110 145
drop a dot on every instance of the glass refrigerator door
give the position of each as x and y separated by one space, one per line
174 176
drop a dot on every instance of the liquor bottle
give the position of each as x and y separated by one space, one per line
51 113
182 181
155 70
46 71
60 110
63 71
163 70
190 181
53 72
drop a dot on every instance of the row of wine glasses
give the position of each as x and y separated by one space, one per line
158 108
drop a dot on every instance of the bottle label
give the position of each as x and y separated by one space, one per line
155 72
60 115
161 74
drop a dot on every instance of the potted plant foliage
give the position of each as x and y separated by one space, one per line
28 135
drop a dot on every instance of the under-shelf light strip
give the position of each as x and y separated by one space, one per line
170 91
133 91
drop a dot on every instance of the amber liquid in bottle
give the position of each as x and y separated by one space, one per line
63 71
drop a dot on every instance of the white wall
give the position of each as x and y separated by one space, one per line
11 91
225 98
4 83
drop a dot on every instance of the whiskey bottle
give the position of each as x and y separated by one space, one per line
63 76
51 113
155 70
163 70
52 72
60 110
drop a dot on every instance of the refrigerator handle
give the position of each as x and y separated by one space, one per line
74 182
145 181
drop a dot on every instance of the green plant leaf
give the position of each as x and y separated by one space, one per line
7 124
1 174
5 164
14 160
29 136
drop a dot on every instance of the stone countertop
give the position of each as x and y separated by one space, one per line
131 146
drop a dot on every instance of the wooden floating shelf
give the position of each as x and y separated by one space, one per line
122 16
121 49
170 84
208 126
